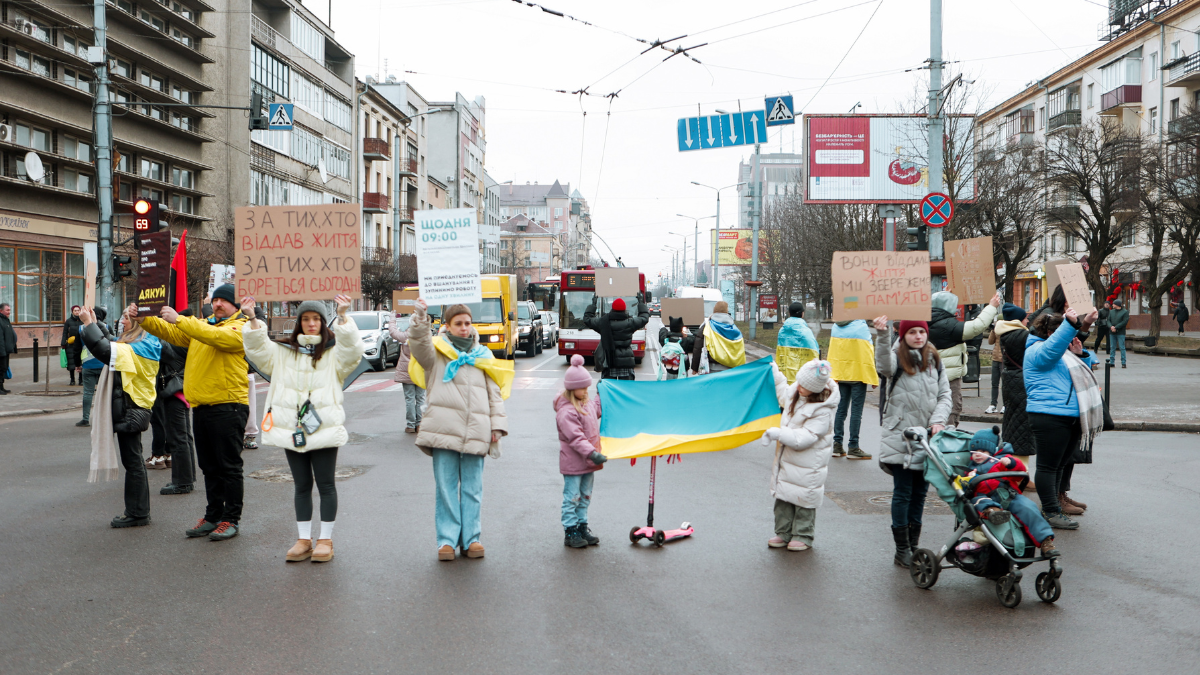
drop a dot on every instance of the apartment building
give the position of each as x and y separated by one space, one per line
414 184
782 175
489 227
383 145
161 63
1146 77
457 150
529 249
560 210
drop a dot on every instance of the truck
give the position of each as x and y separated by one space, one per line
576 292
495 318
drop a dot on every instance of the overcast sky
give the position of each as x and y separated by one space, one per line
515 56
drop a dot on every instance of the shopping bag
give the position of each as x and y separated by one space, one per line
62 358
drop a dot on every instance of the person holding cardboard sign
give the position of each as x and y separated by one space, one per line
950 336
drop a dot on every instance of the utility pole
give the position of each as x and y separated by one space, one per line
755 216
937 124
102 121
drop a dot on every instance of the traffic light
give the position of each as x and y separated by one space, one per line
145 216
921 232
258 121
121 266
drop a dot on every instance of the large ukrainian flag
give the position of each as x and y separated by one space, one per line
795 346
852 354
698 414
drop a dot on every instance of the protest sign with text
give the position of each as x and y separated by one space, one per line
448 256
867 284
89 284
298 252
154 271
1075 288
971 270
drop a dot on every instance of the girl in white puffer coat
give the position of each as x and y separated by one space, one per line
803 446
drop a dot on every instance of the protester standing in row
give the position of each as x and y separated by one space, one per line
305 414
414 396
919 396
463 422
126 397
1118 319
72 344
997 369
214 383
579 456
91 366
718 345
674 344
950 336
614 358
172 445
8 343
795 344
853 362
1011 335
250 442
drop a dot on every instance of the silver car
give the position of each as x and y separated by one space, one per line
373 329
550 326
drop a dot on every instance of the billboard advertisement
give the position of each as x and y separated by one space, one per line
878 159
736 247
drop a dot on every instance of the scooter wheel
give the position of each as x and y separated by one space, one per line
660 537
634 537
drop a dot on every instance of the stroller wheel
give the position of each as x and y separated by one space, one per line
1048 587
924 568
633 535
1008 590
660 537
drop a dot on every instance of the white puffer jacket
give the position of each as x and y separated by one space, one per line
805 446
295 378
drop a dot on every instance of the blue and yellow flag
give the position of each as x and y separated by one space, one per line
795 346
724 343
698 414
138 364
852 354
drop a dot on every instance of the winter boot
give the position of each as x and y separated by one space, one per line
838 450
573 538
72 382
856 453
1048 550
1067 507
903 547
914 536
996 515
1064 499
584 532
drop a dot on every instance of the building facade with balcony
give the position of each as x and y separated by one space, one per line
1144 77
457 150
383 144
529 249
160 65
560 210
489 227
412 174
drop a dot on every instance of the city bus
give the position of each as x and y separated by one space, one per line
577 291
544 293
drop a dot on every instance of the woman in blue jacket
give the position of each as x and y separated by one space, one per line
1052 401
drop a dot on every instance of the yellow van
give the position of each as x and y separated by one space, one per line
495 318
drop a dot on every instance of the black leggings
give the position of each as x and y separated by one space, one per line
1057 437
305 466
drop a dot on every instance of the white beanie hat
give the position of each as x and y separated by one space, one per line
814 375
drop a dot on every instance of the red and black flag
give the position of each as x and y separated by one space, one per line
178 285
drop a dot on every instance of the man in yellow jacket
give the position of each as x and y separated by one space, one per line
215 386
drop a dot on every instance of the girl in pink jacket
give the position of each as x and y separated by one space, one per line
579 455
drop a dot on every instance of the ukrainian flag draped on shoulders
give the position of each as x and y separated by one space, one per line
795 345
852 354
500 372
723 410
724 343
138 364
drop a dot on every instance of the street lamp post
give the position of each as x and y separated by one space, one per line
683 264
674 262
695 243
716 254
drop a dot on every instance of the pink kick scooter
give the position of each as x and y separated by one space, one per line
659 537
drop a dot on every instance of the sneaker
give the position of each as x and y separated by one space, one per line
202 529
225 530
173 489
156 463
797 545
446 552
857 453
127 521
249 443
838 450
475 550
573 539
776 542
83 423
587 535
1060 521
167 459
1001 410
991 410
410 430
1048 550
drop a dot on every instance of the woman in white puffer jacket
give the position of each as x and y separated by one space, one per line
306 372
804 445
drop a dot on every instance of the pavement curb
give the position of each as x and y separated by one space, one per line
38 411
1122 425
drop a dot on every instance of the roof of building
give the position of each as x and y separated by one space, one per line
556 191
513 225
532 194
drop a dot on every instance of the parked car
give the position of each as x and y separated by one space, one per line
529 328
373 329
550 326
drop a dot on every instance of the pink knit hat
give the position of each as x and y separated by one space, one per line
577 377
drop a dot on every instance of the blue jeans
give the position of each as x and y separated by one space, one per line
414 400
459 485
577 495
1025 511
854 394
908 496
1118 342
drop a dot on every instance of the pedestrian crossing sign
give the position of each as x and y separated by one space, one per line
279 116
779 111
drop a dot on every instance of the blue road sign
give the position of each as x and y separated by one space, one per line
779 110
279 116
722 131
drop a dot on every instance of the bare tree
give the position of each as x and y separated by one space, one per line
202 254
1178 184
380 275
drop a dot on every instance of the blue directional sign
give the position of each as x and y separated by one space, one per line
780 111
722 131
279 116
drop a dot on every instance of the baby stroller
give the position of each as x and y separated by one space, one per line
978 547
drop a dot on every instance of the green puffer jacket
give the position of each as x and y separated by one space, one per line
950 335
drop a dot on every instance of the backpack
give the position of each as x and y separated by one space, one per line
671 354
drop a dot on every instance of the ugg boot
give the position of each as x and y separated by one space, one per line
475 550
903 547
573 538
323 552
1067 507
914 536
584 532
302 550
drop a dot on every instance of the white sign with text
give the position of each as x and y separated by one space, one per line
448 256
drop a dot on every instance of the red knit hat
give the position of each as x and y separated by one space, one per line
905 326
619 304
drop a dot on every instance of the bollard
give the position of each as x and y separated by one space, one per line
35 359
1107 389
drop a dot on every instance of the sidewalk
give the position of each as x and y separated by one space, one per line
19 403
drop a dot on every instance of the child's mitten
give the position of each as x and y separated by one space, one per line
597 458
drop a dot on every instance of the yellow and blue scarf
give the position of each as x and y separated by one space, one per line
500 372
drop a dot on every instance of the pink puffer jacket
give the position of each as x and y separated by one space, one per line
578 435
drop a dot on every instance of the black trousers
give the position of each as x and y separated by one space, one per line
172 435
305 467
1057 437
3 368
1101 336
137 488
219 431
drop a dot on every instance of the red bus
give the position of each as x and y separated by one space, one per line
577 291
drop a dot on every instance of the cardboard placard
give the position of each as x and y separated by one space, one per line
867 284
448 256
691 310
617 282
298 252
971 270
89 285
403 302
1052 279
1075 287
154 271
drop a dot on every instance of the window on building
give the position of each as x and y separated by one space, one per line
1154 120
1042 117
1153 74
74 180
558 211
153 21
183 178
151 169
1128 235
148 192
306 146
337 112
183 121
269 71
124 162
528 245
182 95
181 10
183 38
124 191
36 284
503 244
1174 109
267 190
307 38
337 159
279 141
1175 50
308 94
125 6
123 68
1090 95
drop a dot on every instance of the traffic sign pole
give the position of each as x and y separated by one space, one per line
936 123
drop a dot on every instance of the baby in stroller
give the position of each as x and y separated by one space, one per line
1001 499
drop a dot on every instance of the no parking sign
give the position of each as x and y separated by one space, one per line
937 209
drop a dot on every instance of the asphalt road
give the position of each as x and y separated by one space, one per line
79 597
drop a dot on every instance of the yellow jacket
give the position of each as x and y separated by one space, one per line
216 369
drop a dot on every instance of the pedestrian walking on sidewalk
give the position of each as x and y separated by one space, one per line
8 343
172 446
126 397
919 396
803 446
1102 332
214 384
853 361
1181 315
91 366
950 337
579 457
463 422
614 358
1118 319
414 396
305 414
72 344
